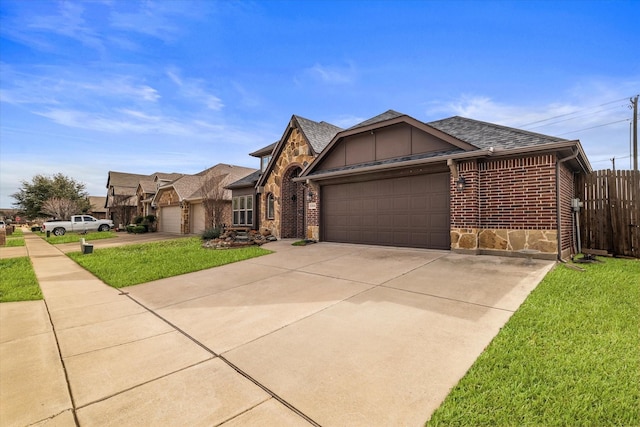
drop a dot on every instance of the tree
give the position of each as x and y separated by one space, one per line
60 208
213 192
32 195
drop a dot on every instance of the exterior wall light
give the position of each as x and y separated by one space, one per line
460 184
310 195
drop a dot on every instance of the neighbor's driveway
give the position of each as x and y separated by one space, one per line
348 334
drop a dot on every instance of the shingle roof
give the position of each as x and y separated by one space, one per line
248 181
484 135
190 186
319 134
264 150
387 115
124 179
148 186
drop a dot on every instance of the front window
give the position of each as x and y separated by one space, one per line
242 210
270 207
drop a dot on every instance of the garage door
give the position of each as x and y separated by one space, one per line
409 211
197 218
170 219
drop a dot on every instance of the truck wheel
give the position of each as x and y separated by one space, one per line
59 231
104 227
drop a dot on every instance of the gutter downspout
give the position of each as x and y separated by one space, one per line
558 216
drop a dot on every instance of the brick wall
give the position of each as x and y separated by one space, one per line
567 193
518 193
508 205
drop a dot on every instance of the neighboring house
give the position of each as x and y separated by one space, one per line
121 202
97 207
457 183
129 194
193 203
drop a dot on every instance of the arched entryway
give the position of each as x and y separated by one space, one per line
292 216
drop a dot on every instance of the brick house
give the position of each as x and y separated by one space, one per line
456 183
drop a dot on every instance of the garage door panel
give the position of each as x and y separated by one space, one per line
170 219
408 211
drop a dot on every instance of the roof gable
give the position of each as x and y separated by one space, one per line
316 134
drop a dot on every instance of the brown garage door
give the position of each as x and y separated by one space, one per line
409 211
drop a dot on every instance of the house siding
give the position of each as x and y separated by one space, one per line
507 205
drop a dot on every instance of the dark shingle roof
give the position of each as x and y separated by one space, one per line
248 181
319 134
387 115
484 135
264 150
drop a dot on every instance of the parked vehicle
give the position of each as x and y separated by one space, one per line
2 224
78 224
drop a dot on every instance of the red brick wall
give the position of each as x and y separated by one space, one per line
566 194
506 194
518 193
465 208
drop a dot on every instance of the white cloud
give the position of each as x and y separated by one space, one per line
332 74
194 90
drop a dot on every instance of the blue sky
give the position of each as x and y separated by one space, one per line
180 85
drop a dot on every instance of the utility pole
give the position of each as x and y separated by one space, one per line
634 101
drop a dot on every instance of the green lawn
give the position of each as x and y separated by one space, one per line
18 281
15 239
134 264
570 356
77 237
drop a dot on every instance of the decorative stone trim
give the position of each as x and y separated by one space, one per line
503 240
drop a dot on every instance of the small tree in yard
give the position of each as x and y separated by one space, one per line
60 208
123 209
213 201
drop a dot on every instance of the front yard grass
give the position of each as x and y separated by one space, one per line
15 239
568 357
18 280
135 264
71 237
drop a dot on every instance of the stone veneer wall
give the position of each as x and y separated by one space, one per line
313 211
296 152
507 205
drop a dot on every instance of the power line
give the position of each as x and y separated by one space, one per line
575 117
594 127
573 112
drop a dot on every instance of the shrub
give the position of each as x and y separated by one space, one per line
211 233
138 220
138 229
150 218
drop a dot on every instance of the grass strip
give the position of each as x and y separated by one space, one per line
77 237
134 264
15 239
568 357
18 280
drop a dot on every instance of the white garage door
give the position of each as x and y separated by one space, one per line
170 219
197 218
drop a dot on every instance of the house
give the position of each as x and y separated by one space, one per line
121 202
455 184
125 200
97 207
193 203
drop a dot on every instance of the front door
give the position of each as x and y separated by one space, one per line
292 220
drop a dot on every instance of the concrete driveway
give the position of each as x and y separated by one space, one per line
326 334
348 334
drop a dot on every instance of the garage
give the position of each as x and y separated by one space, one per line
410 211
197 218
170 219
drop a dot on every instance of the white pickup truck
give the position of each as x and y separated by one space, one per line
78 224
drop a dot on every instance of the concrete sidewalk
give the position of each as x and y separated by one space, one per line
326 334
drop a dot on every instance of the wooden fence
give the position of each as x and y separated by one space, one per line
610 218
